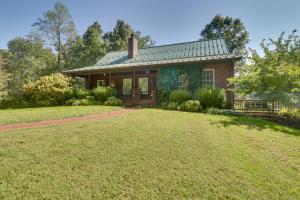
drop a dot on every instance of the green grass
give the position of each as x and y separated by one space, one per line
11 116
153 154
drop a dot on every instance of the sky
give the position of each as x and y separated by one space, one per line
167 21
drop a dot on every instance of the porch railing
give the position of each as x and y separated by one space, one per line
258 105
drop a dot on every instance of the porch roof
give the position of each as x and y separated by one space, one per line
202 50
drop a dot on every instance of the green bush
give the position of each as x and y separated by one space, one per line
294 113
71 101
172 106
211 97
113 101
190 106
81 93
48 90
179 96
103 93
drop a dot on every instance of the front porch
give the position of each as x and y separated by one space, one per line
134 87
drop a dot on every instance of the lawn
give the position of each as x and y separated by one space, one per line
152 154
11 116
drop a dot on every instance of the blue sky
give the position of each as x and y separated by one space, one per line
167 21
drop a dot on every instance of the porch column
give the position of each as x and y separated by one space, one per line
109 79
89 81
134 89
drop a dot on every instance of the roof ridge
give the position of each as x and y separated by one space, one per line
200 40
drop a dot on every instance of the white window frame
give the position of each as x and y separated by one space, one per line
213 70
123 86
181 82
146 82
100 81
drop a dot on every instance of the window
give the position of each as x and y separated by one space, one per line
127 86
143 85
208 78
183 81
100 83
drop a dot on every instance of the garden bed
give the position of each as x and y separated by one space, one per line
288 121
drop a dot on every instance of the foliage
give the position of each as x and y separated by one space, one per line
295 112
210 97
274 75
26 61
94 47
56 27
172 106
5 76
113 101
81 93
103 93
190 106
118 38
232 30
167 79
179 96
48 90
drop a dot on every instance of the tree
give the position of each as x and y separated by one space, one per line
232 30
27 60
74 53
274 75
94 46
118 38
3 74
56 26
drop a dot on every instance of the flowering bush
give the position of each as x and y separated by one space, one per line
48 90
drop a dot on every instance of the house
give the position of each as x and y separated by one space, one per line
143 76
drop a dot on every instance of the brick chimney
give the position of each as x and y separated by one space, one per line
132 46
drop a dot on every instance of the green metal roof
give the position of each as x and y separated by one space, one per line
202 50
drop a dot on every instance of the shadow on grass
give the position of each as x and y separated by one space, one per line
255 123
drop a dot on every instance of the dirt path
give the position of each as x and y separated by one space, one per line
55 122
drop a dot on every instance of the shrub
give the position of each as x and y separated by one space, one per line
48 90
81 93
190 106
103 93
179 96
172 106
70 101
85 102
211 97
113 101
289 112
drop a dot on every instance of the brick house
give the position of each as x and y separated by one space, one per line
140 76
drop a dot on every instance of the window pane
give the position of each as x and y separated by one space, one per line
208 78
183 81
143 85
127 86
100 83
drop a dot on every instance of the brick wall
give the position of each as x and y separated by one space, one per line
223 71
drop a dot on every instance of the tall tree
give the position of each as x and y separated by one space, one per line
56 26
27 60
232 30
3 74
274 75
118 38
74 53
94 46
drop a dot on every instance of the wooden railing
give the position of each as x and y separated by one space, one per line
258 105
